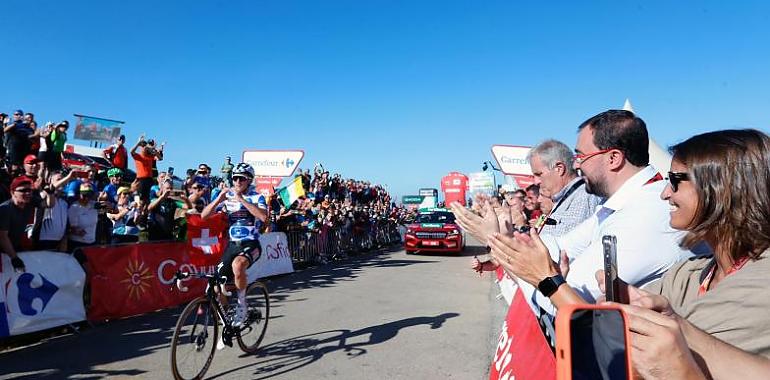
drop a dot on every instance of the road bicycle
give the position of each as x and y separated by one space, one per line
196 334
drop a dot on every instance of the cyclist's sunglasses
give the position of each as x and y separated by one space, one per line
675 177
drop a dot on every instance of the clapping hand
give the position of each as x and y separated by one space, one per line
479 227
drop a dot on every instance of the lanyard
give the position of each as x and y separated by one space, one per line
543 219
704 286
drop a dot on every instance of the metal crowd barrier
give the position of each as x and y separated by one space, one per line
329 244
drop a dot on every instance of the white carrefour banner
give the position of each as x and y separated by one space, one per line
512 159
48 294
275 258
273 163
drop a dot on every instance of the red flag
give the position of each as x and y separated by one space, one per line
206 238
522 352
135 279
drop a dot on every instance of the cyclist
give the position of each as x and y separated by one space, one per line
246 210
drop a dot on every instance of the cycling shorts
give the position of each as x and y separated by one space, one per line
250 249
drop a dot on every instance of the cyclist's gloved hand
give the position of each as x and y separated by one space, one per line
18 264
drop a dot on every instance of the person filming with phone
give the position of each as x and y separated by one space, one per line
708 317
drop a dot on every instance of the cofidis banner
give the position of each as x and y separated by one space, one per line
275 258
48 294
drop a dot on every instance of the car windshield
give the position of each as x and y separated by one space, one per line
436 217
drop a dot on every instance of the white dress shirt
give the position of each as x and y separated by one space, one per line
647 245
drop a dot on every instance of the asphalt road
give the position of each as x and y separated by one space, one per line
383 315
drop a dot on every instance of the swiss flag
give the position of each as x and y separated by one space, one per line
206 238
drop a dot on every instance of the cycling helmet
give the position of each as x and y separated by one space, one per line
114 172
244 170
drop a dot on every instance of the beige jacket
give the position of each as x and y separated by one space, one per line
736 311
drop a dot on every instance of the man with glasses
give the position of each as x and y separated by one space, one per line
612 158
246 210
17 219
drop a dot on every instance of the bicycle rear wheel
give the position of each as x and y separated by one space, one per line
195 340
258 314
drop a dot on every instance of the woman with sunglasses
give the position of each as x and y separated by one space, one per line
709 315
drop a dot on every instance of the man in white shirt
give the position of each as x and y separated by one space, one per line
612 155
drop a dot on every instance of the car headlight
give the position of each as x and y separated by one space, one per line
454 232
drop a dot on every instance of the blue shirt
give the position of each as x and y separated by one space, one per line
112 192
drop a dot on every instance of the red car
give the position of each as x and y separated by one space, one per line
434 230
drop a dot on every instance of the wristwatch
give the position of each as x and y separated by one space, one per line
549 286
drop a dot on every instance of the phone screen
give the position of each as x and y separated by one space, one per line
611 284
598 345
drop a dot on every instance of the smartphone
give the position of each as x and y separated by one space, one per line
592 342
611 283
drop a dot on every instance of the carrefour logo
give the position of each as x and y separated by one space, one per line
514 160
287 163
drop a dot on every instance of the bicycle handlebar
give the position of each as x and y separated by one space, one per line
219 280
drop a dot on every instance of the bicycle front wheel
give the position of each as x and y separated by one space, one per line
195 340
256 323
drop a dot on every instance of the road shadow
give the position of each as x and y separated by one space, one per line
78 355
294 353
332 274
82 354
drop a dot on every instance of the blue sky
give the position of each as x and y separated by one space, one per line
398 92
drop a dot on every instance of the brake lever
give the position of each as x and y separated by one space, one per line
223 288
179 278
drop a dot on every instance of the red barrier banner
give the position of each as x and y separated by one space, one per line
134 279
206 238
522 352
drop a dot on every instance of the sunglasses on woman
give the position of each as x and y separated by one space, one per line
674 178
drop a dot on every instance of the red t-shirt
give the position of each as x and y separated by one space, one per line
118 156
143 165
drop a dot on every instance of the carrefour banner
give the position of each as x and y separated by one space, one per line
91 128
48 294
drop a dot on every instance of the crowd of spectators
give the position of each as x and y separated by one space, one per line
691 247
45 205
331 202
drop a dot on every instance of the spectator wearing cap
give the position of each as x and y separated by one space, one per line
110 192
58 139
17 139
197 195
117 154
125 218
145 161
72 190
51 232
32 170
17 218
227 171
82 217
